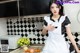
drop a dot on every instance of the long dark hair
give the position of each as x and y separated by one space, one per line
58 4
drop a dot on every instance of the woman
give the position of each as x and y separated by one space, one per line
56 25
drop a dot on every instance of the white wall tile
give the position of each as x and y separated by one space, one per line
3 26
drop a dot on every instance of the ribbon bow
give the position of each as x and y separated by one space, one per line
60 2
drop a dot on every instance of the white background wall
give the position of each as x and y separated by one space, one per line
72 10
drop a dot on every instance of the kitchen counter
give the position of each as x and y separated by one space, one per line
20 50
12 40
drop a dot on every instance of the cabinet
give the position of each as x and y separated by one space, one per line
8 9
33 7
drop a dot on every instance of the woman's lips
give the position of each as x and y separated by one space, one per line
55 12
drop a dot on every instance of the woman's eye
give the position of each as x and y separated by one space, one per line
52 7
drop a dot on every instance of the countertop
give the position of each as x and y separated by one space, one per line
20 50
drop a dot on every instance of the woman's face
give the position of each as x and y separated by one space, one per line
54 9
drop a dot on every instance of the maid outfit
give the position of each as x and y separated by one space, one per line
55 42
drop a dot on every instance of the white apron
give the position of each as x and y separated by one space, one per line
55 42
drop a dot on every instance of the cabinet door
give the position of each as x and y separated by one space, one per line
33 7
2 10
8 9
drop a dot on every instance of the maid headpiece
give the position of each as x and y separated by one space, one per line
59 2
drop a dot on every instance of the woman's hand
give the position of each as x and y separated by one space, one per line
50 27
78 51
47 28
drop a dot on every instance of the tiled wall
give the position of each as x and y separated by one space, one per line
3 28
31 27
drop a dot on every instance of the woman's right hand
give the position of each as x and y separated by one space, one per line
47 28
50 27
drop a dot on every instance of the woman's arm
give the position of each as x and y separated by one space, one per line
72 39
